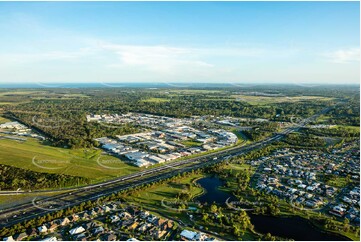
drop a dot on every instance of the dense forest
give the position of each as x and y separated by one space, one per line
306 140
260 132
12 178
60 114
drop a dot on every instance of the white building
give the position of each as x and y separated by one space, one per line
135 156
76 230
142 162
188 235
50 239
156 159
42 229
9 238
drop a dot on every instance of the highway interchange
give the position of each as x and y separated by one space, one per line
75 196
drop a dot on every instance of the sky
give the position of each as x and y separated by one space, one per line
194 42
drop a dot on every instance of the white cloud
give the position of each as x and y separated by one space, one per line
111 62
156 58
23 58
344 55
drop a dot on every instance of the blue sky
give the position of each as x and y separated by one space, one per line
235 42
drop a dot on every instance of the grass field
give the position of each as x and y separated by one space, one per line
194 91
263 100
349 129
10 103
152 198
60 96
88 163
20 93
239 167
156 100
4 120
241 137
190 143
337 181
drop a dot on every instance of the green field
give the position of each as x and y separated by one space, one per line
20 93
156 100
264 100
337 181
152 198
348 128
190 143
4 120
89 163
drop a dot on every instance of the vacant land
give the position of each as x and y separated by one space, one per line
89 163
4 120
152 198
265 100
191 143
156 100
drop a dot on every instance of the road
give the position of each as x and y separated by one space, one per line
44 205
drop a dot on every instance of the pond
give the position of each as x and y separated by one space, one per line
295 228
212 194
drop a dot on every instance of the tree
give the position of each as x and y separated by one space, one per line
214 208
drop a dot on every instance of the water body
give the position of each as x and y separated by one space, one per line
212 194
295 228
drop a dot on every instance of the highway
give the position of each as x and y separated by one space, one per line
44 205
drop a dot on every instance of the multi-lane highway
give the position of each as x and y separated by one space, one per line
71 197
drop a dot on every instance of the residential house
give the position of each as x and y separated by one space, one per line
76 230
80 237
31 232
200 236
159 222
133 225
143 227
151 218
167 225
98 230
144 214
52 227
42 229
125 215
63 222
52 238
90 225
9 238
20 236
157 234
114 218
109 237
